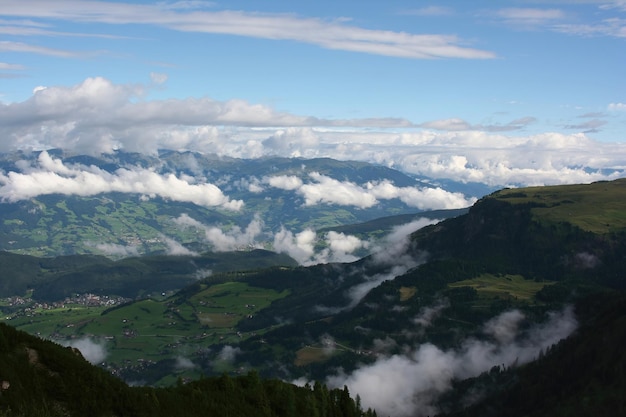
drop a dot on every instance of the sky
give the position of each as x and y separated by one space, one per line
522 92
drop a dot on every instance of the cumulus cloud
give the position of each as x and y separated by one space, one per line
338 247
300 246
326 190
285 182
98 116
52 176
224 239
331 191
409 384
341 247
93 351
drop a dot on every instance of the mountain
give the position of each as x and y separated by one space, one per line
40 378
580 376
53 279
449 319
129 204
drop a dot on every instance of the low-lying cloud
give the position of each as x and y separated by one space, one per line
408 385
93 351
52 176
392 252
323 189
221 240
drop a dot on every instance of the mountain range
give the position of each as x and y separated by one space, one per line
514 306
128 204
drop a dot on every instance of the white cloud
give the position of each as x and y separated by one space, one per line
428 314
175 248
617 106
328 34
9 46
98 116
52 176
300 246
342 246
394 254
94 352
158 78
327 190
114 249
183 363
409 385
5 66
430 11
285 182
530 16
228 354
224 239
330 191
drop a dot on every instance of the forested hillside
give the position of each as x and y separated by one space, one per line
451 319
40 378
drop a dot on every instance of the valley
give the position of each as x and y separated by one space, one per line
435 299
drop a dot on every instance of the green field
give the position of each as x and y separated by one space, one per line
156 329
599 207
504 286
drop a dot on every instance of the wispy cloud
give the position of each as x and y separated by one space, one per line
429 11
529 16
456 125
409 384
4 66
600 24
8 46
329 34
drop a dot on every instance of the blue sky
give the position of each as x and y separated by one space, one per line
409 84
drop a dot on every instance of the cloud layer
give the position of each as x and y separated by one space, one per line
52 176
193 17
409 384
323 189
99 116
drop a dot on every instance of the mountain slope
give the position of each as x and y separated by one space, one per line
127 204
53 279
434 315
583 375
40 378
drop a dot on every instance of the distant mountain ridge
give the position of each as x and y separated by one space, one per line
126 204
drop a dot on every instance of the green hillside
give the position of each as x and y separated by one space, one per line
583 375
515 253
599 207
53 279
40 378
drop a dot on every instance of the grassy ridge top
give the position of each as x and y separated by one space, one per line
599 207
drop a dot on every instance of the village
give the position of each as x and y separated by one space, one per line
17 306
